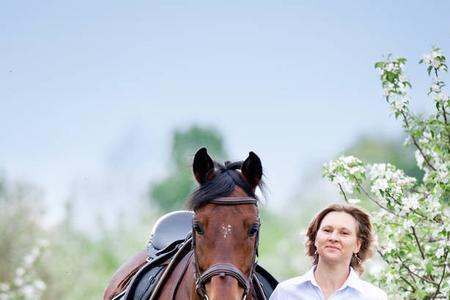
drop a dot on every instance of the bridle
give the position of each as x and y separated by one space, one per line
224 269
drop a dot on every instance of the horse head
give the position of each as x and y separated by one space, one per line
225 226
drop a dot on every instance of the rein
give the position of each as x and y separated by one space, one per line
224 269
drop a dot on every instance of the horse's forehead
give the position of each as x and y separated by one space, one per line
238 192
236 213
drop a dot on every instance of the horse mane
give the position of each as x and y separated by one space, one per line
226 178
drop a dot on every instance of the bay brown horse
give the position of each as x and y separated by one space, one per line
225 231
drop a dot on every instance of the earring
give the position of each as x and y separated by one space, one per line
355 255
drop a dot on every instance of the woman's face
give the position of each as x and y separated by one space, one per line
336 239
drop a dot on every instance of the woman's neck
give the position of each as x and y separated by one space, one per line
330 277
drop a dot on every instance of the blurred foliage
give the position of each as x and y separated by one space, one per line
280 244
20 216
376 149
79 267
74 265
186 142
171 192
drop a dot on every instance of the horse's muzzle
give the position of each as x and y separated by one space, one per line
222 269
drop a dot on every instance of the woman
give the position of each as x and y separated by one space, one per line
339 240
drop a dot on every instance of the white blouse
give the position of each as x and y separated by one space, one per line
305 287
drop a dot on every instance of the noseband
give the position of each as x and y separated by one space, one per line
224 269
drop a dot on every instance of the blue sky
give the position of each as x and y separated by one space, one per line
91 90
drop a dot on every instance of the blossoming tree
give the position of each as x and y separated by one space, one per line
412 221
26 285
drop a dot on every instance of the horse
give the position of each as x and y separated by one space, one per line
220 260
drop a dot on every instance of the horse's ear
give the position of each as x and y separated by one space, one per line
252 170
203 166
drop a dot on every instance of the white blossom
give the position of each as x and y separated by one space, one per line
441 96
344 183
28 291
354 201
443 172
440 252
389 67
25 285
419 159
40 285
390 245
431 59
399 103
435 88
428 59
19 281
436 64
376 170
426 137
43 243
379 184
29 259
408 223
390 277
412 201
20 272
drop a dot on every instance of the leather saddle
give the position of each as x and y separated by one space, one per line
172 227
170 241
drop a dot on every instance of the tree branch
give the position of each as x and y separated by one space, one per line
410 275
399 203
372 199
408 283
343 193
417 144
417 242
444 113
417 275
442 276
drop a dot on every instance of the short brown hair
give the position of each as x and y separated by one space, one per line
364 233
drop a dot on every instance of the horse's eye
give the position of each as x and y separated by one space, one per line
198 228
253 230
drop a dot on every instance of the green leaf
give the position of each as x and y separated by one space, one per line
379 64
391 77
429 268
